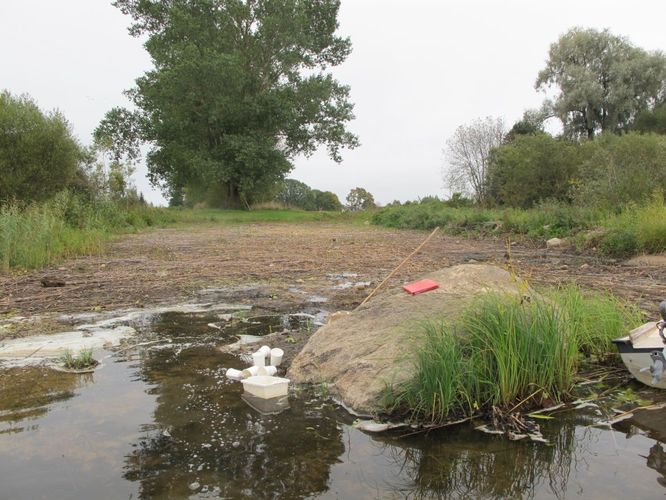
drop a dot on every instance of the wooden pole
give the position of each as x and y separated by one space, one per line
399 266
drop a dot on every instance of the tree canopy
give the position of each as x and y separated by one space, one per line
603 81
360 199
39 156
297 194
468 153
239 87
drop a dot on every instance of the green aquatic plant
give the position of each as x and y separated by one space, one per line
84 359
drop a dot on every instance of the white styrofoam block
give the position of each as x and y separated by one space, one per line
265 387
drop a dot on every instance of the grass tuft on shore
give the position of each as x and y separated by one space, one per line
505 351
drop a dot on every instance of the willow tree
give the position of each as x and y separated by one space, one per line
604 82
238 88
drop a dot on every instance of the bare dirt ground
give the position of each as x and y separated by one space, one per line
294 264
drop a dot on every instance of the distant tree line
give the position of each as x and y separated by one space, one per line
293 193
297 194
611 101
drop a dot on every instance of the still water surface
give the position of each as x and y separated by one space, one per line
162 421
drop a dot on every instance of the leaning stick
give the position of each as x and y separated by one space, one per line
399 266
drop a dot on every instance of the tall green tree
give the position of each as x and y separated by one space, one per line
294 193
326 200
239 87
39 155
603 81
360 199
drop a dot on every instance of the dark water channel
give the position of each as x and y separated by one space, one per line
162 421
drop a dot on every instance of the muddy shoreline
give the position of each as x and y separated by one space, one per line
287 266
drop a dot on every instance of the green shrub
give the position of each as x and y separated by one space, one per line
619 243
38 154
531 169
618 170
548 219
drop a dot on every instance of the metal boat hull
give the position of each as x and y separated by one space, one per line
635 350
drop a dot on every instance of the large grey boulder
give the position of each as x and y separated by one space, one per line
360 354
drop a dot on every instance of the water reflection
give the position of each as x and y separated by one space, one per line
29 393
205 435
468 464
657 460
161 420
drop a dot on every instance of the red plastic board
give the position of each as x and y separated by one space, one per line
420 286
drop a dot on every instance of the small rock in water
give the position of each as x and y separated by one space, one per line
194 486
235 444
166 433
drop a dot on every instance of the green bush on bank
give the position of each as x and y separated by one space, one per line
549 219
504 350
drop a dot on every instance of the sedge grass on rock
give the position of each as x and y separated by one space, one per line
440 386
505 351
501 351
518 350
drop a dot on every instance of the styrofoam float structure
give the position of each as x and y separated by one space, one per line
259 380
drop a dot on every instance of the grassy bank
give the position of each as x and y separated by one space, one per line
43 234
636 229
504 351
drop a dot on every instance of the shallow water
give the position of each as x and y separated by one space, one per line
162 421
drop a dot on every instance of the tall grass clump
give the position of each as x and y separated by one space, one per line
596 318
43 233
501 351
84 359
39 235
440 385
518 350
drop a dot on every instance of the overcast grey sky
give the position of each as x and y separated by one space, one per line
418 70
